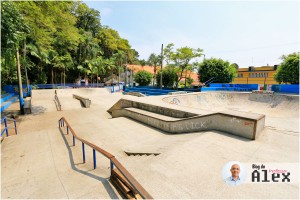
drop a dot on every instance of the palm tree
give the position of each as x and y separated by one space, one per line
154 60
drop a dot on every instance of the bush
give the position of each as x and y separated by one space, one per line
169 77
143 78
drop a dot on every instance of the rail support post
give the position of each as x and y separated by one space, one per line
15 123
111 167
83 152
94 158
73 140
67 130
6 129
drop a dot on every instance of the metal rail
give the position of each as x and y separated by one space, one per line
4 120
58 102
113 161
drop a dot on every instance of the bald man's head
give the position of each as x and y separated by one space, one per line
235 170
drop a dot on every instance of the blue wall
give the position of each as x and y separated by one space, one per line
286 88
249 86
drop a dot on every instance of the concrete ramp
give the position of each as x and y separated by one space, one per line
43 100
274 104
177 121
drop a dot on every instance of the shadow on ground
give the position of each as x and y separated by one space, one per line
108 188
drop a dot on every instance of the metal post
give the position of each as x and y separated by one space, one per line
161 66
15 123
111 167
94 158
73 140
83 153
6 129
67 130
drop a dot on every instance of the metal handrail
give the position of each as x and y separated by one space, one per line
4 120
113 161
58 102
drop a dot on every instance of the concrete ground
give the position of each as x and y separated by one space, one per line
40 162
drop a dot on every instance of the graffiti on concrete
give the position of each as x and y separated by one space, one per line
175 101
235 120
247 123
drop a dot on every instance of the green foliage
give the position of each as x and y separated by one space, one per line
288 71
143 62
189 81
169 77
181 58
60 40
143 77
218 68
88 19
13 30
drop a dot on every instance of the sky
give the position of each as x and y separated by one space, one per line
249 33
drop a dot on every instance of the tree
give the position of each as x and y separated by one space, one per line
154 60
88 19
288 71
143 78
13 31
169 77
181 58
168 52
143 62
221 70
120 60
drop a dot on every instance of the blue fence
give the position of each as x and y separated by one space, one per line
14 89
227 85
294 89
153 91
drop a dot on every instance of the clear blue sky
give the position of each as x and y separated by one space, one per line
245 32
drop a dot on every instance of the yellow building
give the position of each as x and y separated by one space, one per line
256 75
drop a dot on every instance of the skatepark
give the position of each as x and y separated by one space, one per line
174 146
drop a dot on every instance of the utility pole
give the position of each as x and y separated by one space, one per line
21 100
125 73
161 66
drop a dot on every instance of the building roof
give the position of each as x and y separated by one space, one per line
262 68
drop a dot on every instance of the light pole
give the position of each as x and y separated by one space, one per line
161 66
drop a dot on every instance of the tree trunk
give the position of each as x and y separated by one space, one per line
21 100
61 80
185 79
26 76
64 76
180 77
97 80
52 76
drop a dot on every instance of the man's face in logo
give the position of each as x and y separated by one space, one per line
235 170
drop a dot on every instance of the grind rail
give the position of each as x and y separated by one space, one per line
113 161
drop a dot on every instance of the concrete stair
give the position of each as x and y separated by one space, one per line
123 186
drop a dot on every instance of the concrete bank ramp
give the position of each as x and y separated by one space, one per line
43 99
247 125
276 105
